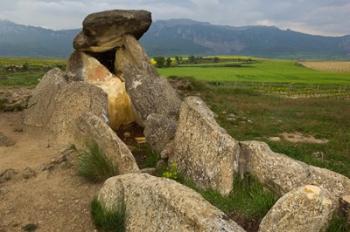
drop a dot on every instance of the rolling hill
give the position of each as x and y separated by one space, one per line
184 37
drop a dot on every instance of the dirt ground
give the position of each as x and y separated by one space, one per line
39 186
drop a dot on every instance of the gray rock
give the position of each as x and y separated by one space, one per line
159 204
72 101
276 171
14 99
281 174
7 175
308 208
6 141
335 183
41 105
159 130
149 93
103 31
91 129
203 150
28 173
56 105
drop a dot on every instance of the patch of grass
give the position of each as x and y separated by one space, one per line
95 166
338 224
248 197
145 156
108 220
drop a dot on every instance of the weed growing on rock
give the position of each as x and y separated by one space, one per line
172 173
95 166
108 220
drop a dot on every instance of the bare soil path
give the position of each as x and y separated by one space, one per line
39 186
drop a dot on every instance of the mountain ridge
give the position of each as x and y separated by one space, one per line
184 37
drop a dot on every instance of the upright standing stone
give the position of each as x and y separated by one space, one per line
92 129
203 150
72 101
82 67
149 93
42 105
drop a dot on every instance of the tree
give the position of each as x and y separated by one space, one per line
216 59
160 61
168 62
191 59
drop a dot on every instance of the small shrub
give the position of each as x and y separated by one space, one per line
95 165
108 220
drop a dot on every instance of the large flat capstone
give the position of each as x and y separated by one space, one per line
103 31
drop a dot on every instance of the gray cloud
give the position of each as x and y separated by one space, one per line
326 17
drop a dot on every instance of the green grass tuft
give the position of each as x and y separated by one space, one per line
95 165
108 220
338 224
248 198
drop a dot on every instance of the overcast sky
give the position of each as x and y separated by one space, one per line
325 17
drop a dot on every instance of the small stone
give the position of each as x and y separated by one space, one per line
275 139
7 175
28 173
127 134
30 227
150 171
6 141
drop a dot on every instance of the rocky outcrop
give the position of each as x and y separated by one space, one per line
203 151
92 129
282 174
82 67
14 99
159 204
308 208
103 31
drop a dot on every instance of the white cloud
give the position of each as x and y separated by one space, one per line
329 17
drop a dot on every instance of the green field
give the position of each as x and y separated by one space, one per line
273 71
29 70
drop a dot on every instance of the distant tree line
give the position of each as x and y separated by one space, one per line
161 61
